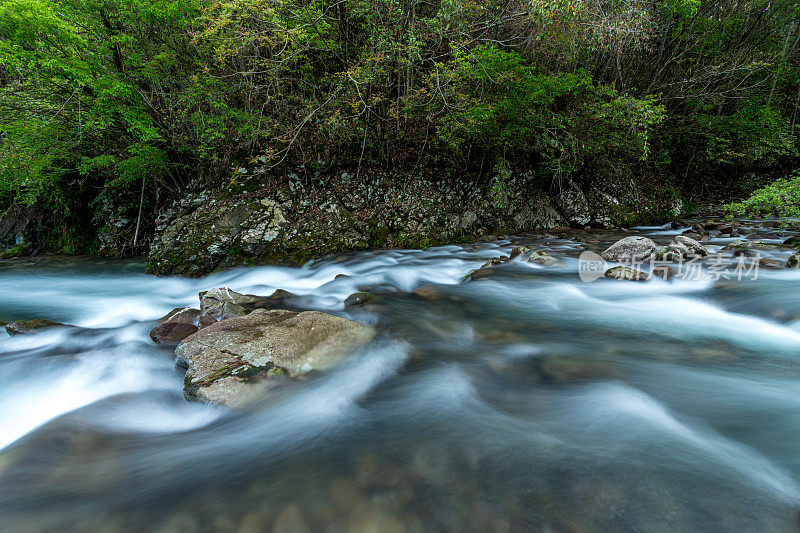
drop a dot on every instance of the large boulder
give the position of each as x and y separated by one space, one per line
22 327
234 361
695 248
630 249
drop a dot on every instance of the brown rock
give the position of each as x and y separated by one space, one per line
770 263
480 273
205 321
520 250
626 273
664 272
30 326
187 315
358 298
429 292
172 332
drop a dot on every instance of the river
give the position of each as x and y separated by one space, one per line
525 401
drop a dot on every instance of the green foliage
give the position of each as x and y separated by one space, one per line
753 135
499 188
780 199
505 105
101 97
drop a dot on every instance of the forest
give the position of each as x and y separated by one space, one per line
122 106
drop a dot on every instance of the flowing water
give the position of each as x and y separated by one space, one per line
527 400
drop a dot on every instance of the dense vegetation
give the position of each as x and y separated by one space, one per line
116 106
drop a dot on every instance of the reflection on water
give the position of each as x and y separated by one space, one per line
523 401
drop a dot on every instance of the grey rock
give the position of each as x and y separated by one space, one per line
236 360
695 248
542 258
677 251
222 303
751 245
626 273
630 249
574 206
520 250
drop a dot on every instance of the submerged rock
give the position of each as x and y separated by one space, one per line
22 327
429 292
766 262
494 261
172 332
225 360
542 258
480 273
520 250
358 298
630 249
626 273
753 245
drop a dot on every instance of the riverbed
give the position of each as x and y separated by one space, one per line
527 400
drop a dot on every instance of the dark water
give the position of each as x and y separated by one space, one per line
528 400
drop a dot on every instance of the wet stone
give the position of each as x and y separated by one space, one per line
171 332
626 273
23 327
187 315
771 263
630 249
358 298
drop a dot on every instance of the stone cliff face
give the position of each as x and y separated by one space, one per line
299 220
263 218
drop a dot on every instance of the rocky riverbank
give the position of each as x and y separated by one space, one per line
296 219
